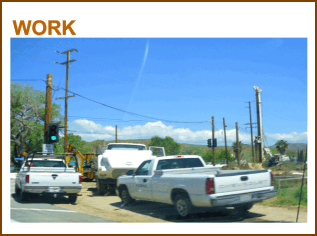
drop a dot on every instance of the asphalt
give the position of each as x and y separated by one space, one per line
43 210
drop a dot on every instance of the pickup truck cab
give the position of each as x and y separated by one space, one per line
47 176
186 182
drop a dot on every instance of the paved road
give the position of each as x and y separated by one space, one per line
43 210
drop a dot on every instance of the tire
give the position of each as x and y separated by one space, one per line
72 198
245 207
100 188
125 196
23 196
183 206
17 190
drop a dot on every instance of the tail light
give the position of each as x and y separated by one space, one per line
210 186
80 179
27 179
272 179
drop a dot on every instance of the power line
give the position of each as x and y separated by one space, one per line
132 113
35 56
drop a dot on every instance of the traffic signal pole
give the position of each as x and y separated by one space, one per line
224 129
237 143
48 104
213 137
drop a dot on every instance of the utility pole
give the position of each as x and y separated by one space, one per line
224 129
259 121
116 134
66 92
237 143
213 137
48 103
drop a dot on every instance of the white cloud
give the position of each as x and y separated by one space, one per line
91 131
291 137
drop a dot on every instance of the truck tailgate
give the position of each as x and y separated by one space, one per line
231 181
54 179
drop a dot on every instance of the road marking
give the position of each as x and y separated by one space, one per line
34 209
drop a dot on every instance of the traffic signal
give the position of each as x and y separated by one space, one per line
209 142
52 133
214 142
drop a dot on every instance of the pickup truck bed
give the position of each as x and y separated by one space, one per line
43 176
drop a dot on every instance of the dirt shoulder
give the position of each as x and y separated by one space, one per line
110 207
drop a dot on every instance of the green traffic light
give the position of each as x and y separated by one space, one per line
53 137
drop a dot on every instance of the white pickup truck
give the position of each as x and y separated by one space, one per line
117 159
47 175
186 182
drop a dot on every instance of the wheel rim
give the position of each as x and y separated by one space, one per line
182 207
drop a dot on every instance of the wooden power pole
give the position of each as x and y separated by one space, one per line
224 129
213 137
66 92
48 103
237 143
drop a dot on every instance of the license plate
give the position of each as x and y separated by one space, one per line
53 189
244 198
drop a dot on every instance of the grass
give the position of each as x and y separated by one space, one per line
288 197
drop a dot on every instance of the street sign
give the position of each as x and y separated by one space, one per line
48 148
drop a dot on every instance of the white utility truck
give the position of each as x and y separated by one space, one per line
47 174
187 183
117 159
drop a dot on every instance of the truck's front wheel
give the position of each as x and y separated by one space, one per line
183 206
125 196
100 187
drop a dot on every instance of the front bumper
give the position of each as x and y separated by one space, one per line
238 199
47 190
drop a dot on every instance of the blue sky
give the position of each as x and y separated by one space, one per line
173 79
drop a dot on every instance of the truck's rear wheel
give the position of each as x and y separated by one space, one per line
244 207
125 196
23 196
100 187
72 198
183 206
17 190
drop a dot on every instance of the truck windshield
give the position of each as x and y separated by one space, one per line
46 163
125 147
179 163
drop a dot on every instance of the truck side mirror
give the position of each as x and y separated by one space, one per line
130 172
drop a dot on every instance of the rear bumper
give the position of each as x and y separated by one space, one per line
238 199
46 190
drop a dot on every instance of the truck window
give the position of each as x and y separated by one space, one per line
144 168
46 163
125 147
179 163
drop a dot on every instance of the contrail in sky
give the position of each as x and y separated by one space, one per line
140 74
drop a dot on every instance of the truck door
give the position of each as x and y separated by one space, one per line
142 181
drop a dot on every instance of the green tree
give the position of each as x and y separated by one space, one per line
221 156
27 116
171 147
207 156
281 146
